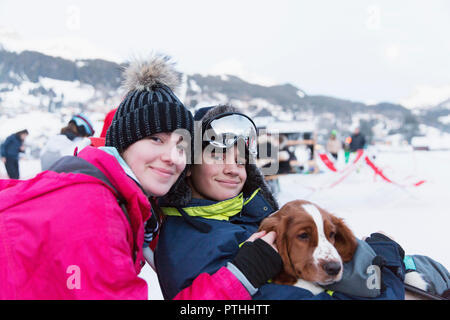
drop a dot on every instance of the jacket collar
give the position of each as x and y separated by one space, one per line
111 167
138 205
216 210
113 151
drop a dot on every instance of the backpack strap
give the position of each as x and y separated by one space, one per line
74 164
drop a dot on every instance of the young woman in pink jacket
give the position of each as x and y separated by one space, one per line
76 231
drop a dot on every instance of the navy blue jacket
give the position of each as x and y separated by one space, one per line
358 142
11 147
184 251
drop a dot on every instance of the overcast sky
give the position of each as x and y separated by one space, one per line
367 51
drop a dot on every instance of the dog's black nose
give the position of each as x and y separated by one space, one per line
332 268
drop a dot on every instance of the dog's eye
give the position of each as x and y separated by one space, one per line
303 236
332 235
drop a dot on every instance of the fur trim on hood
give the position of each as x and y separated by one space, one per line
180 195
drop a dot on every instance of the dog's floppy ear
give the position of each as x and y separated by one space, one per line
270 223
345 240
278 222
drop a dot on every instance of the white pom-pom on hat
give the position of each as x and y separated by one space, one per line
142 74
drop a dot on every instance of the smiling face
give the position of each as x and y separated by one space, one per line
157 161
220 176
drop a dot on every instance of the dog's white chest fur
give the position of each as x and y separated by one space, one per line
310 286
324 250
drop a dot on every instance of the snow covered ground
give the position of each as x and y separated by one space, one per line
416 217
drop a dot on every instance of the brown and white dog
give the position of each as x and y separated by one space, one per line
312 243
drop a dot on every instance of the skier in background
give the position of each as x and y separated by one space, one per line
10 152
73 136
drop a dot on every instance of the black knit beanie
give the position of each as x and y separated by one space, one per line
150 105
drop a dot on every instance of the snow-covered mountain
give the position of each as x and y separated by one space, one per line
43 91
289 103
437 116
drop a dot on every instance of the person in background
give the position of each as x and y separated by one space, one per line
358 140
10 150
347 142
309 138
73 136
334 145
285 156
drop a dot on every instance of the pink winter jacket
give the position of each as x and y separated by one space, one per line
63 236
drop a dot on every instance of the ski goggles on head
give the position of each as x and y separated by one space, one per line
226 129
83 122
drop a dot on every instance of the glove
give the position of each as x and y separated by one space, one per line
258 262
391 259
379 237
